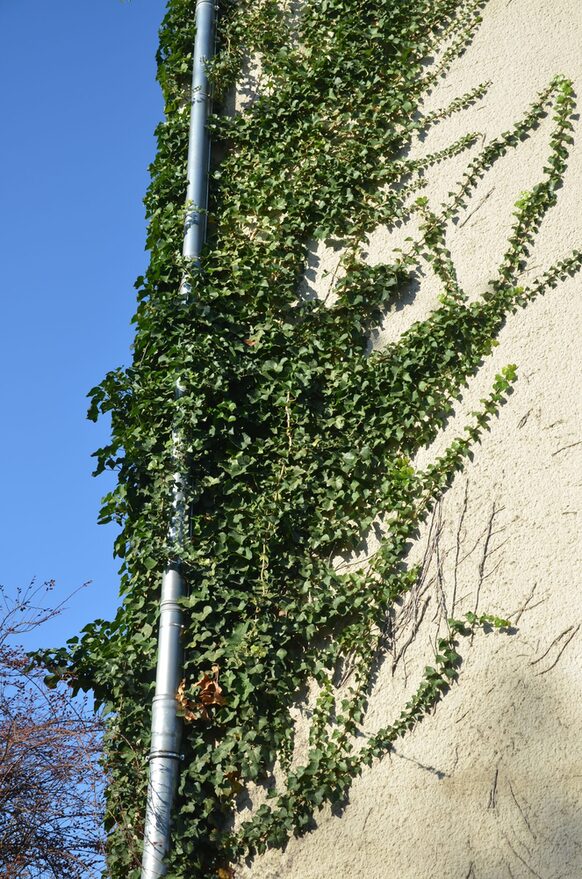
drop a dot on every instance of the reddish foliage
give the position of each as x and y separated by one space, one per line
50 778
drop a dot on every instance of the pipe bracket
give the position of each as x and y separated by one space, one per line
172 754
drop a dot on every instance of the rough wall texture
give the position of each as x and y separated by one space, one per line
489 786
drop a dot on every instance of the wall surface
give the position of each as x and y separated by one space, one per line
490 785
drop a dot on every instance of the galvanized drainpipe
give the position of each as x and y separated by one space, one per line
165 754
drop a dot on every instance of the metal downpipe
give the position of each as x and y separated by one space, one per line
164 758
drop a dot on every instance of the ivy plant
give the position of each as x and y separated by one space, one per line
297 437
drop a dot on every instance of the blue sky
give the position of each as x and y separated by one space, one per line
79 103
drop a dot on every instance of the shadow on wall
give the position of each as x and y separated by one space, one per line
488 787
510 807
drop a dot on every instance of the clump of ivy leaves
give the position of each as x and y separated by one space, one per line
295 437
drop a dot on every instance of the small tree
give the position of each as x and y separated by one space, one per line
50 779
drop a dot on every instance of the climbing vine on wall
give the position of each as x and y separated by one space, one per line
298 436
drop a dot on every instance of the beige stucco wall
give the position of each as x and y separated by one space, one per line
489 786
